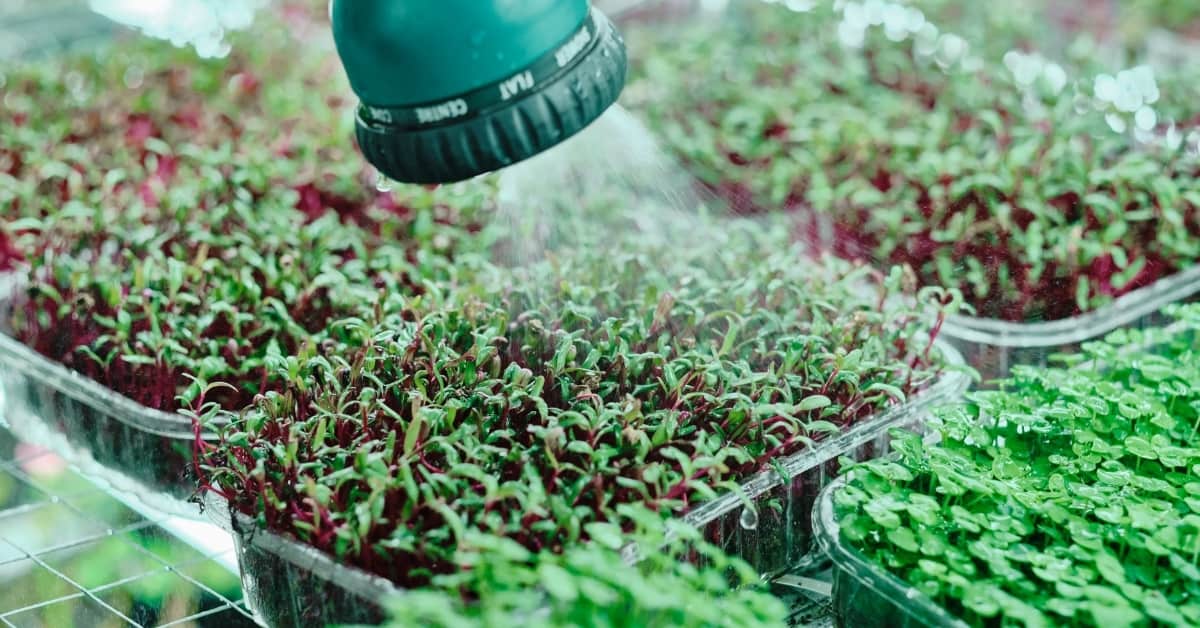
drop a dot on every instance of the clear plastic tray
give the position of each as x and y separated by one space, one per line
287 583
865 594
783 537
993 346
46 400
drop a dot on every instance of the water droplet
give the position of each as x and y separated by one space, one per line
749 518
134 76
1082 103
382 183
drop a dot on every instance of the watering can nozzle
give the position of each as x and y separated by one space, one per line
451 89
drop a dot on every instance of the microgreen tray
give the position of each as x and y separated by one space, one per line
992 346
781 537
767 523
151 448
865 594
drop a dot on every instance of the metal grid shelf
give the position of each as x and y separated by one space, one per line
75 553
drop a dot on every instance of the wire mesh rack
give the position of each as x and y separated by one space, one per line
73 552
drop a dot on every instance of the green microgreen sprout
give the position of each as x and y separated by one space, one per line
1068 497
592 585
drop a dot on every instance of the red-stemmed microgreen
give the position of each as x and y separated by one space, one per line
1003 175
551 394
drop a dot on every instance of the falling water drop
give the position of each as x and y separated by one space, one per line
382 183
1083 103
749 518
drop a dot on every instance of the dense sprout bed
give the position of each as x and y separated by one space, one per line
203 238
592 586
1070 497
1139 17
583 383
174 218
1040 190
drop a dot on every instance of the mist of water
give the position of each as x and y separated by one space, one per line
566 195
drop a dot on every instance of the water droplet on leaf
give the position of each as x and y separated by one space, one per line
749 518
1082 103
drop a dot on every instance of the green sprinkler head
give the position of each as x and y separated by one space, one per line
451 89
